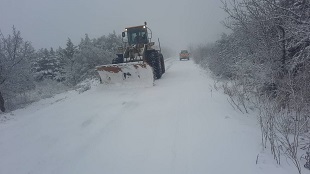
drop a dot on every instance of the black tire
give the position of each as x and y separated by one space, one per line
155 63
118 59
115 60
163 69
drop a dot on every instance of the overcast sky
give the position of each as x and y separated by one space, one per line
48 23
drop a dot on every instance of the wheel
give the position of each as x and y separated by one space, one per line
115 60
155 63
118 59
163 69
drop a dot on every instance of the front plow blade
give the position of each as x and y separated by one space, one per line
123 74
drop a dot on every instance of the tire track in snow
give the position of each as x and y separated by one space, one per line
181 147
169 62
174 144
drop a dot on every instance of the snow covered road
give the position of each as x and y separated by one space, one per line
178 126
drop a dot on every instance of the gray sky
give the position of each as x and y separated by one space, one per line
48 23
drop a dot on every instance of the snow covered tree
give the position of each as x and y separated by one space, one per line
70 59
61 64
266 56
46 65
15 67
108 46
81 60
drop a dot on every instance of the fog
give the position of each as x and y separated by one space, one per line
48 23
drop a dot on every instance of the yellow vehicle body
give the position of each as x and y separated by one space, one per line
138 62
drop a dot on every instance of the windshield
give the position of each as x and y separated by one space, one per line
137 36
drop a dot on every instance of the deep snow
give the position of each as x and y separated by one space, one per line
177 126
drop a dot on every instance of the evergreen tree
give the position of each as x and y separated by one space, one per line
60 72
46 65
70 59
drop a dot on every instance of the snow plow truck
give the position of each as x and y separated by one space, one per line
139 60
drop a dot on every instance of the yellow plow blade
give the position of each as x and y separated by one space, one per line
132 73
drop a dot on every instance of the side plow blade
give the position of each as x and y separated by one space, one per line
132 74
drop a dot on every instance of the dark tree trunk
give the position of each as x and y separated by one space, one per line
2 103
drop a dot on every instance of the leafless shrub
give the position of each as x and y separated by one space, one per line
265 65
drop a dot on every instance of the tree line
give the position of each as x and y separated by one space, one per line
27 75
264 64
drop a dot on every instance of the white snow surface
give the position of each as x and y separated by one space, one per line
177 126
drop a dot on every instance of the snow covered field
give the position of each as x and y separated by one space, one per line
177 126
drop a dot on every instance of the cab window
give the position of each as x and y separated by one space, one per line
137 36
